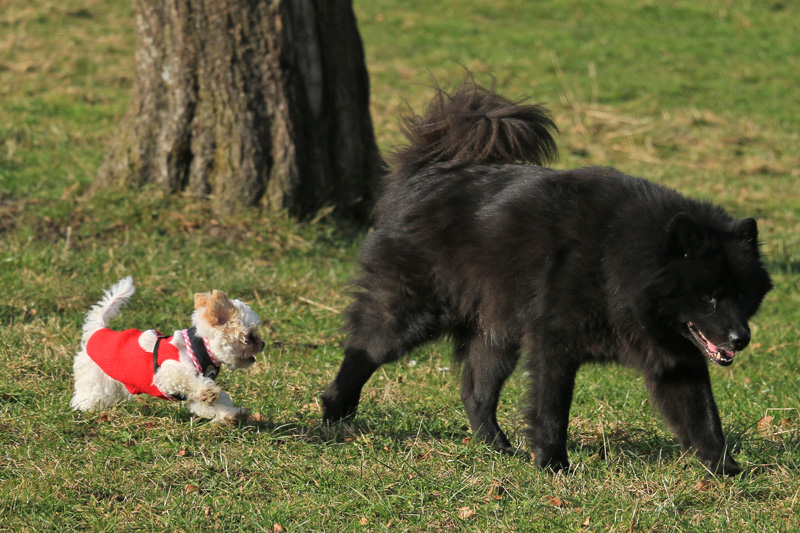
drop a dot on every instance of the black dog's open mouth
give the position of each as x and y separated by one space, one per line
714 353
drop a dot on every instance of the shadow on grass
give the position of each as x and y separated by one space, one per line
645 446
614 447
636 445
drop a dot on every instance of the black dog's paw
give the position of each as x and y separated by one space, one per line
336 409
516 452
726 467
554 462
512 451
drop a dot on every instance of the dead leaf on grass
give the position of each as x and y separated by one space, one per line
496 492
465 513
704 485
312 407
557 502
258 417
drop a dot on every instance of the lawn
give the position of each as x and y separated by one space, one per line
699 96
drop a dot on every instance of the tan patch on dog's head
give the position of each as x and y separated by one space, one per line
201 299
219 309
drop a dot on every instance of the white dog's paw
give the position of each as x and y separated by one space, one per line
232 417
209 394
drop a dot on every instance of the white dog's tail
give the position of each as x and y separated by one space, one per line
107 308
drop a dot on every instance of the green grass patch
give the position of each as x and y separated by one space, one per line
698 96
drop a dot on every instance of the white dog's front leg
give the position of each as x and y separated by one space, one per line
178 380
222 411
204 397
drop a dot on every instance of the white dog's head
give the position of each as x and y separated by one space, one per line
230 326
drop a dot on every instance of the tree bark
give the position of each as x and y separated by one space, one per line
250 102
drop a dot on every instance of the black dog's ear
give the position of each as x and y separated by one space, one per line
746 230
684 236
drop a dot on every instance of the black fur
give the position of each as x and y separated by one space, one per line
569 266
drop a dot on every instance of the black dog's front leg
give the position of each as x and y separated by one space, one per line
553 380
340 399
684 398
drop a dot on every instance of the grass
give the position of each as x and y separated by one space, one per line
698 96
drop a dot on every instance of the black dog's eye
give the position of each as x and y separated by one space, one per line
710 300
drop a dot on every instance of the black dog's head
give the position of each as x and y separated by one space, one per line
718 283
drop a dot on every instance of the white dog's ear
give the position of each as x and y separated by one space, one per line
201 299
219 309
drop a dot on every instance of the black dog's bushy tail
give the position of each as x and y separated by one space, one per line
474 125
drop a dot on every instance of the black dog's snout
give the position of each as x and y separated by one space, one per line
739 338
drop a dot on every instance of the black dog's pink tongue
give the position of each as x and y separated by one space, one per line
715 349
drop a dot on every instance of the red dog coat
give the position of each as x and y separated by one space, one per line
119 355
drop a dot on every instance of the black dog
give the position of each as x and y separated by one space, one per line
570 266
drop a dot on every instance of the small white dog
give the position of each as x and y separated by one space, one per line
114 365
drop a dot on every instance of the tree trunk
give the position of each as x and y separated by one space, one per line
250 102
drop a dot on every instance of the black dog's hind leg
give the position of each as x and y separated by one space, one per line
340 399
485 369
684 398
380 333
